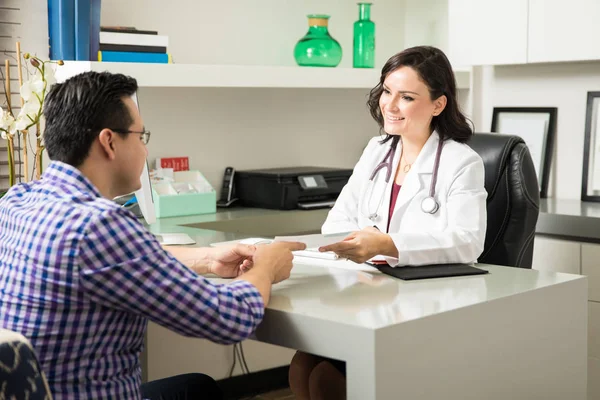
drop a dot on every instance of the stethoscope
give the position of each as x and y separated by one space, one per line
429 205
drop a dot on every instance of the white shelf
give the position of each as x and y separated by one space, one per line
241 76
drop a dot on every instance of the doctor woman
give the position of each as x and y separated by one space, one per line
416 196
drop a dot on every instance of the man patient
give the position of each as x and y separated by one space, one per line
80 276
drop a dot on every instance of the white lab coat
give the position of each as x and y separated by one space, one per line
454 234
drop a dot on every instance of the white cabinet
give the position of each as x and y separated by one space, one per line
487 32
594 329
570 256
590 266
563 31
556 255
593 378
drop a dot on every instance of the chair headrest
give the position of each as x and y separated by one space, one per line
495 150
8 336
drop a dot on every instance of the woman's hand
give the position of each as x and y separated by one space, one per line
363 245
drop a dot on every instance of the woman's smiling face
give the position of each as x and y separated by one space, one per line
405 103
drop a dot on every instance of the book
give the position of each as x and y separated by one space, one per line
82 22
135 39
177 163
127 29
61 29
126 47
137 57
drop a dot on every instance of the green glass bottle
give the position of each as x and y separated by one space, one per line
364 38
317 48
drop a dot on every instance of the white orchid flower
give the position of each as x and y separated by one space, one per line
7 123
49 76
26 91
37 84
22 122
28 114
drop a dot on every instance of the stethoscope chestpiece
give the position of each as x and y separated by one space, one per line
429 205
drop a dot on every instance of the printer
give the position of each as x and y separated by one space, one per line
290 188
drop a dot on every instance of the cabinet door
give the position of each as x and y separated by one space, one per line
563 31
487 32
593 378
590 266
593 329
556 255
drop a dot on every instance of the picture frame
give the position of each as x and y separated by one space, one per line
590 180
537 127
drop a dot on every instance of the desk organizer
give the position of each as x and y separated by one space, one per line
171 199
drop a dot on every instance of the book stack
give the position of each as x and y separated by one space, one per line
129 44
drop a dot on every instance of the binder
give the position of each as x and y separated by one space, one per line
61 29
95 29
83 16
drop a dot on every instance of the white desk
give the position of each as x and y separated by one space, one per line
510 334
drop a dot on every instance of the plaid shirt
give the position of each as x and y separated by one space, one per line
80 277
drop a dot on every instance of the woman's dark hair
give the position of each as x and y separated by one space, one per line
79 108
434 69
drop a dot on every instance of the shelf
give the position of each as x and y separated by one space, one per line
238 76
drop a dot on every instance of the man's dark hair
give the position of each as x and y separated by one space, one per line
79 108
434 69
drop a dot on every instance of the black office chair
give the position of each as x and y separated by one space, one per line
513 199
20 374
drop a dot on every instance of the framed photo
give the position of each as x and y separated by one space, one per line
590 185
537 127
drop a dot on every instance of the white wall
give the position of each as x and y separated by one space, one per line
261 32
426 22
257 128
562 85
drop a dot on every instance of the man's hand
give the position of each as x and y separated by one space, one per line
362 245
276 258
231 261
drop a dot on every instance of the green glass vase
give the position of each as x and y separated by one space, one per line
317 48
364 38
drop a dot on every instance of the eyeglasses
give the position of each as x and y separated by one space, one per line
145 135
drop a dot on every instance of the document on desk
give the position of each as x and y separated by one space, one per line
311 256
313 242
172 239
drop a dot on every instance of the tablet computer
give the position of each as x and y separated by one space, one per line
430 271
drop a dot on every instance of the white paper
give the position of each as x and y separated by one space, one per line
327 255
533 132
313 241
169 239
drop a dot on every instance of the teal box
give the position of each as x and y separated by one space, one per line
175 199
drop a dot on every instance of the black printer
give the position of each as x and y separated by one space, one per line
290 188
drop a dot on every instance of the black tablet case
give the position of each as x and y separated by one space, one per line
430 271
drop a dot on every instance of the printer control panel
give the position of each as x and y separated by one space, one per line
308 182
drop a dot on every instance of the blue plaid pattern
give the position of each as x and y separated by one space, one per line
80 277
